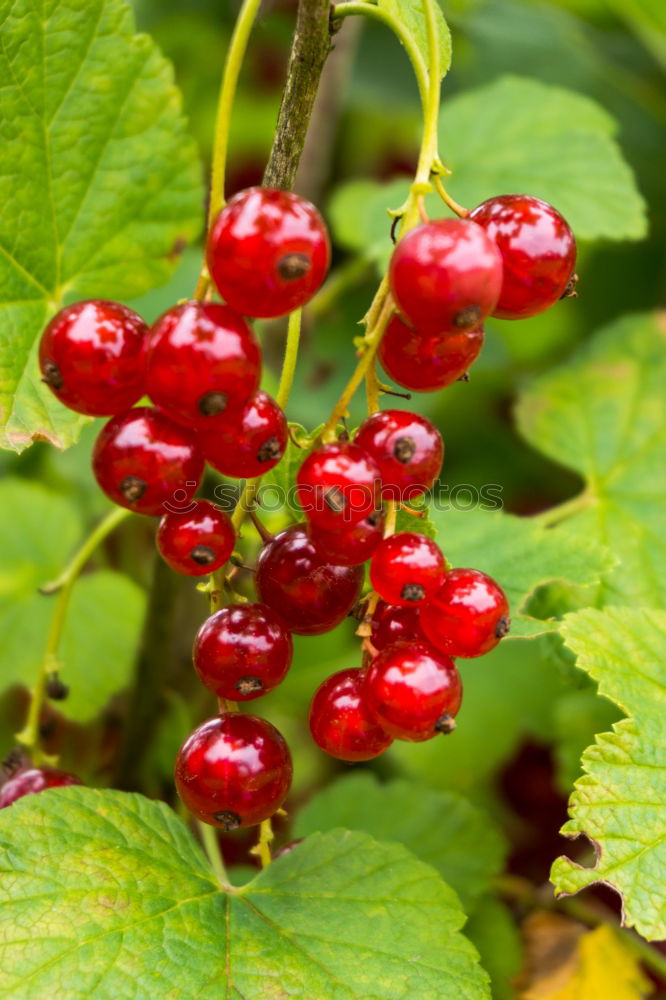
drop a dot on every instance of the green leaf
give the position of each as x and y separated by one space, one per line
603 413
578 717
411 16
552 143
99 182
441 828
112 897
423 524
619 802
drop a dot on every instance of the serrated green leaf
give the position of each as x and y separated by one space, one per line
98 182
411 15
551 143
441 828
619 802
603 413
111 897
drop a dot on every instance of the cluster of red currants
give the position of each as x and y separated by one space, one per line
268 254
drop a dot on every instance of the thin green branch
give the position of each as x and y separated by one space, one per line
213 852
290 358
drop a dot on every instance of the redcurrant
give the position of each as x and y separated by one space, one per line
341 724
349 546
413 691
143 461
234 770
427 362
407 568
311 595
468 615
268 252
538 251
392 623
34 779
197 541
203 359
408 450
338 485
446 275
93 356
242 651
247 443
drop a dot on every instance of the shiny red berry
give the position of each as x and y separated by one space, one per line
407 568
35 779
145 462
92 355
426 362
341 724
338 485
392 623
349 546
468 615
311 595
413 691
538 251
234 770
268 252
446 275
242 651
203 359
407 448
197 541
247 443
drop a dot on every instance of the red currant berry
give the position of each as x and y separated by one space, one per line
35 779
538 250
311 595
197 541
93 356
413 691
338 485
407 448
268 252
425 362
446 275
234 770
203 359
341 724
242 651
349 546
247 443
468 615
143 461
391 623
407 568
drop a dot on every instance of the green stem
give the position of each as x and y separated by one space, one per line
29 736
290 358
213 852
262 849
431 111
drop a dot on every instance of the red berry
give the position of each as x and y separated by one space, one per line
538 251
268 252
197 541
143 461
246 443
203 359
349 546
242 651
407 568
35 779
407 448
338 485
234 770
391 623
311 595
446 275
425 362
93 356
341 724
468 615
413 691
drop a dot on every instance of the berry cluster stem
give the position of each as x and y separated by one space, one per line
212 848
62 587
263 847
